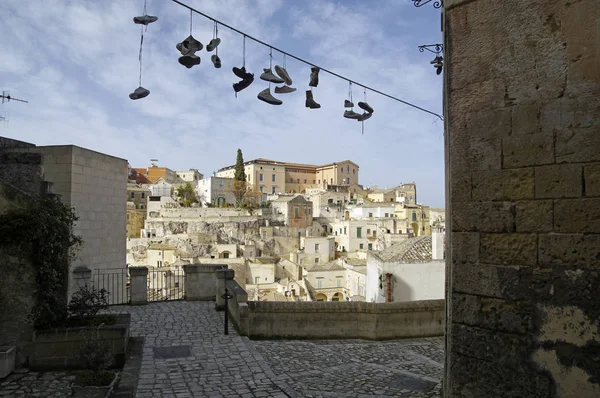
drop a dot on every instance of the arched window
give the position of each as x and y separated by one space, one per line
414 217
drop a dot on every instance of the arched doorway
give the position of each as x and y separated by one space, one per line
225 254
320 297
220 201
337 297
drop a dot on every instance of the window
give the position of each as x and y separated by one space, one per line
319 181
332 181
291 180
387 215
374 233
359 232
273 189
305 180
260 177
414 217
314 181
132 195
298 180
370 215
348 169
370 247
361 246
316 247
320 283
296 212
225 254
256 280
338 281
261 187
272 177
143 195
368 231
353 171
344 230
316 260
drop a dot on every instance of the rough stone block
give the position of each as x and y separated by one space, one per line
505 282
577 215
591 174
473 377
482 217
492 313
578 145
528 150
460 185
476 154
489 125
503 184
465 247
534 216
569 250
559 181
508 249
525 119
503 349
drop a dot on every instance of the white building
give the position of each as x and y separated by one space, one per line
369 211
217 191
191 175
355 235
408 271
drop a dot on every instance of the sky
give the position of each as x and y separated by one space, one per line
77 61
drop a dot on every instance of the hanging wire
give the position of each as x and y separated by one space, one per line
306 62
191 13
244 53
350 92
140 56
216 36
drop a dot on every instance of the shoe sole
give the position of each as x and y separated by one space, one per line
284 75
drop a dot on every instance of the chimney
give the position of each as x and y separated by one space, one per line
437 243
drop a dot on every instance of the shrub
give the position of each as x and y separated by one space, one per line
86 302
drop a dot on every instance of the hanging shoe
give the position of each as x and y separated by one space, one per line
310 102
348 104
283 74
216 60
239 86
189 45
241 73
214 43
266 96
139 93
314 77
284 90
365 106
189 60
364 116
352 115
145 19
439 70
268 76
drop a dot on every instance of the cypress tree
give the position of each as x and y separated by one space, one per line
240 173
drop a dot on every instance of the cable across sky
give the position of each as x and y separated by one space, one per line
307 62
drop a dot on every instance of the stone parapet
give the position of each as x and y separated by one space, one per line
201 281
138 285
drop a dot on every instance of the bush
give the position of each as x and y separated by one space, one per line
86 302
91 378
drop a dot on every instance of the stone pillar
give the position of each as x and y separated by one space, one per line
522 118
138 285
82 276
200 281
223 275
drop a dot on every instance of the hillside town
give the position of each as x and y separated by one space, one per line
291 231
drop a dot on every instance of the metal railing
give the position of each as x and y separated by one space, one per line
165 283
116 282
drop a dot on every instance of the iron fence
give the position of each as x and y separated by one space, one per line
116 282
165 283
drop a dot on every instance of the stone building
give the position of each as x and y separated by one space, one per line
522 132
294 211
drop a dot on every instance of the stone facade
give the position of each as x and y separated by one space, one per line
522 138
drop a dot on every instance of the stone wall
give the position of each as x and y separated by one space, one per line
96 185
523 171
345 320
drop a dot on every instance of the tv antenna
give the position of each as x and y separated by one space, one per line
6 96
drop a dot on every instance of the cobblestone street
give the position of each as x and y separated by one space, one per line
186 354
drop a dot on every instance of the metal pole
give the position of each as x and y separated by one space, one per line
227 296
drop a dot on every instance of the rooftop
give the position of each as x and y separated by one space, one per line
412 250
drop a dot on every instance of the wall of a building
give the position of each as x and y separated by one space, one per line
523 167
413 282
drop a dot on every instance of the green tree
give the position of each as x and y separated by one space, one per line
240 187
186 195
240 172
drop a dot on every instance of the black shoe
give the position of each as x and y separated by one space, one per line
189 60
241 73
239 86
310 102
314 76
365 106
216 60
